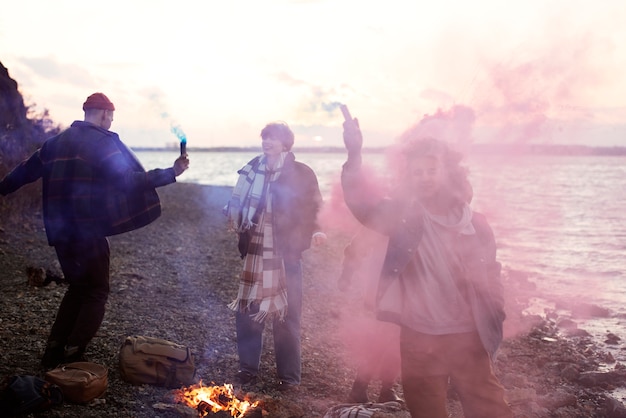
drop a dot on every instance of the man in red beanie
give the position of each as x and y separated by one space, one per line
93 187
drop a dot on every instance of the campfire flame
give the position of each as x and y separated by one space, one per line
214 399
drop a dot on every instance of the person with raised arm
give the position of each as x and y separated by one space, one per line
440 281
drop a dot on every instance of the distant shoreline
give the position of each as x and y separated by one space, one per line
476 149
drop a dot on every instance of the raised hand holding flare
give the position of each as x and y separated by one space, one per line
352 136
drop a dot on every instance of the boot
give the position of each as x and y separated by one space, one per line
73 353
358 394
52 356
388 394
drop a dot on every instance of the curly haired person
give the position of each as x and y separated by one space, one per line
440 280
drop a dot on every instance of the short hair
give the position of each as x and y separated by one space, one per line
280 131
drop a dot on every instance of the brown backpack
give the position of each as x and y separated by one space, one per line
80 382
157 362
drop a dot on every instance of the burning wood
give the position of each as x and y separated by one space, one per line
214 399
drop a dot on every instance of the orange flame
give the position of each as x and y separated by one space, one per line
214 399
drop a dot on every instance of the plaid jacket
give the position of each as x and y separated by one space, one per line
93 185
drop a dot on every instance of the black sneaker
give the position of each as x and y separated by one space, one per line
245 378
388 395
52 357
73 354
358 394
287 387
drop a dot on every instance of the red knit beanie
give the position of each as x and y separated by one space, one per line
98 101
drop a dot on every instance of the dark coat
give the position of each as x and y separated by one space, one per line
93 185
296 201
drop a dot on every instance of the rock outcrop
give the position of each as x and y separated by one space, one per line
12 108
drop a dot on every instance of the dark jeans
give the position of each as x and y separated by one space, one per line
286 333
85 266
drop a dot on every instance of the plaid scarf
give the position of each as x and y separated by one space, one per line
263 280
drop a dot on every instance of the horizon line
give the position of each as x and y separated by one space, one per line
478 148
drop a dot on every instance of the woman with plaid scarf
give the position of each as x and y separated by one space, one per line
273 208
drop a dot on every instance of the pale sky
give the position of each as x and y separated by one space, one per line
549 71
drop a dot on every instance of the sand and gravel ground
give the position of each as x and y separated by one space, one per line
174 278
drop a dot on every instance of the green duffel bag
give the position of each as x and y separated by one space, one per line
158 362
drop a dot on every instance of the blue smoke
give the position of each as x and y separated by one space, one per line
178 131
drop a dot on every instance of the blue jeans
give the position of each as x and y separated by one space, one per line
286 333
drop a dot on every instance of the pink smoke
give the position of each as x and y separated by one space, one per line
536 99
335 215
518 103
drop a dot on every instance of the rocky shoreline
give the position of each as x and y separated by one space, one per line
174 278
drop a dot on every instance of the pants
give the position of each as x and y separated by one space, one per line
379 351
286 333
85 266
430 362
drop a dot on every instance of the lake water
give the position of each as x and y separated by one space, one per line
559 219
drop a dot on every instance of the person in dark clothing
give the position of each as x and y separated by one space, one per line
274 209
440 281
93 187
379 358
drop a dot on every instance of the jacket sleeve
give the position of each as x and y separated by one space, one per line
493 285
296 200
316 202
309 203
26 172
487 298
124 170
369 209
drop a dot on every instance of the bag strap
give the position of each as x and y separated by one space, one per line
155 346
170 379
91 368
